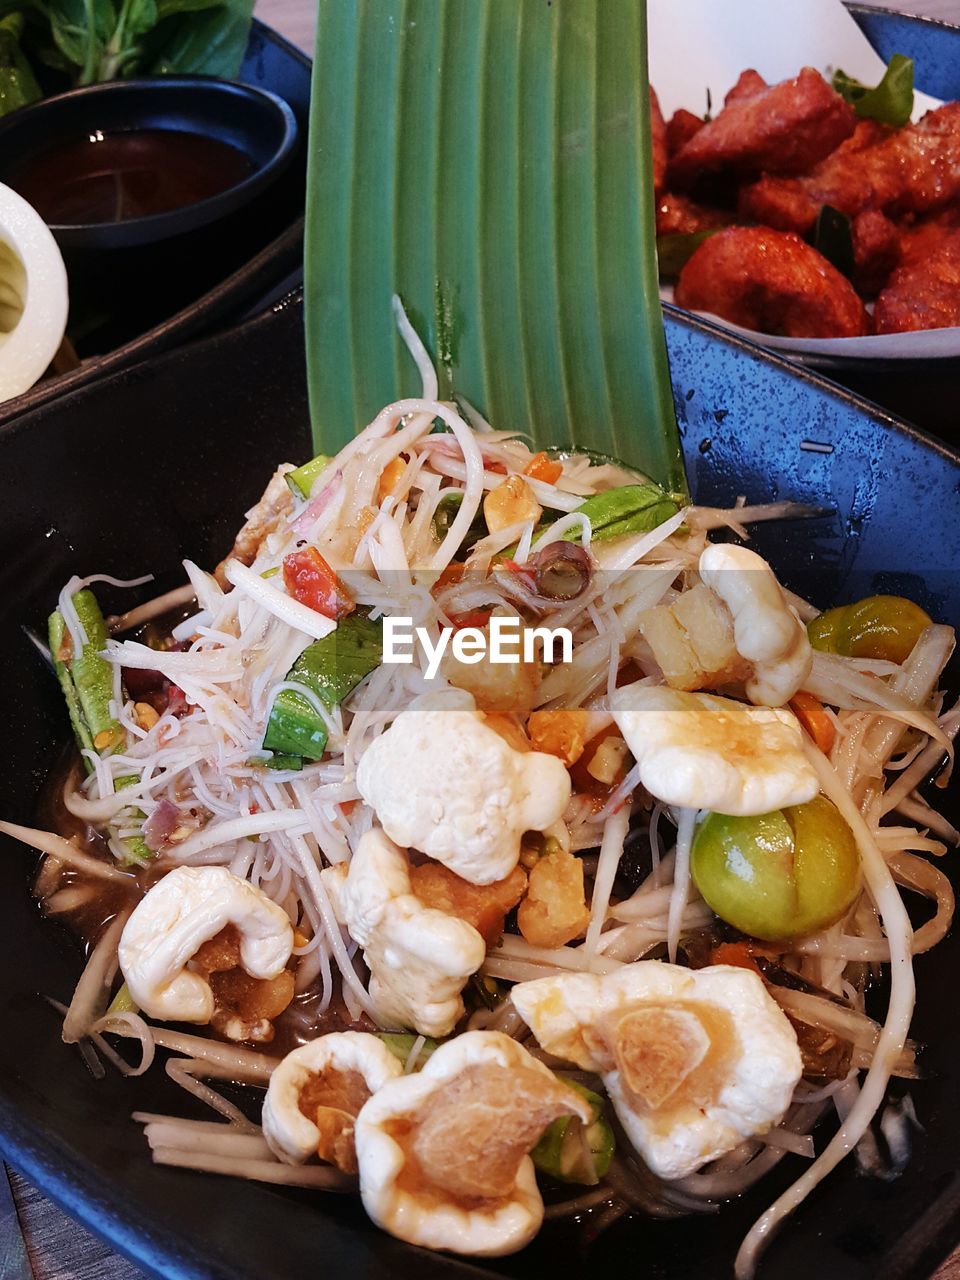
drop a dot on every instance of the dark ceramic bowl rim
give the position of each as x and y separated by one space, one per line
161 226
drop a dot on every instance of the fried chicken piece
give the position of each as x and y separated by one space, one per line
924 293
773 282
792 204
911 170
679 215
786 128
876 250
658 130
923 239
683 126
748 86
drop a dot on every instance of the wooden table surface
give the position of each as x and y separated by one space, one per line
58 1248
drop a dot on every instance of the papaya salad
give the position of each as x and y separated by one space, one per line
586 934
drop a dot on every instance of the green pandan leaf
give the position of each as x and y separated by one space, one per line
489 161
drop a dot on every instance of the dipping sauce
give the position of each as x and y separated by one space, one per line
114 177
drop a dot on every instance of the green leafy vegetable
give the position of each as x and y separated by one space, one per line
561 1153
195 39
97 40
675 250
330 669
633 508
833 237
889 102
18 85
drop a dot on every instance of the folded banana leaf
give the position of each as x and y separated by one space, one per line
489 161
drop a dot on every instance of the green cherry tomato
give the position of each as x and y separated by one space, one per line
825 631
878 627
778 875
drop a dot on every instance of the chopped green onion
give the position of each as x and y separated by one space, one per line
302 479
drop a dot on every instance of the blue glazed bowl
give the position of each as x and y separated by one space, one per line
218 417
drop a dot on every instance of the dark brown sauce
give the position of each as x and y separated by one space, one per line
114 177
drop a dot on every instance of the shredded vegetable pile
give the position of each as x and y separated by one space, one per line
539 851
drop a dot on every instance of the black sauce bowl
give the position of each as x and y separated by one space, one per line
126 275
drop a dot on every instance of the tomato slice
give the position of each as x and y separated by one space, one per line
472 618
309 579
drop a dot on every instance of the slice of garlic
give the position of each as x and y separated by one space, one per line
33 295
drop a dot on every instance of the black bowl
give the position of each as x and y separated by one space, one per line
125 275
212 421
274 254
256 123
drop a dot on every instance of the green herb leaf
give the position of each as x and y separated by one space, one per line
889 102
81 31
210 41
833 237
675 250
633 508
18 85
492 167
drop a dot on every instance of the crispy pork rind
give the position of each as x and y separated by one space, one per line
441 780
694 1061
188 908
419 958
443 1154
316 1093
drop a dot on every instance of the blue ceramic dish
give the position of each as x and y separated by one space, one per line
217 418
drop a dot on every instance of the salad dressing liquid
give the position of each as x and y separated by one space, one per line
301 1021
